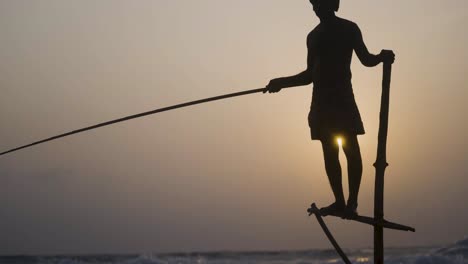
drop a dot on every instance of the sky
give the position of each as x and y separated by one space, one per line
237 174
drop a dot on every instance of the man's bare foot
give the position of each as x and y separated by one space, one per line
351 210
333 209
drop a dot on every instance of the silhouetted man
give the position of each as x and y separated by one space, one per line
333 112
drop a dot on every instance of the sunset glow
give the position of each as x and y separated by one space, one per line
236 174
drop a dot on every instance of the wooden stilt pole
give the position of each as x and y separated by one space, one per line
313 210
381 164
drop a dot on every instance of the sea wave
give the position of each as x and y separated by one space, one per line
456 253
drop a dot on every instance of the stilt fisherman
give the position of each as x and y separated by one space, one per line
334 115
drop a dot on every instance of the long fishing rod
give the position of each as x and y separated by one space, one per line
123 119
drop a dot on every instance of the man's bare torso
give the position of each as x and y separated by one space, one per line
330 47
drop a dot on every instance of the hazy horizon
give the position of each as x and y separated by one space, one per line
230 175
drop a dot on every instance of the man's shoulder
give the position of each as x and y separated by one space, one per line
348 24
346 21
313 33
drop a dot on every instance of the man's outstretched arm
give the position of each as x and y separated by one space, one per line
300 79
366 58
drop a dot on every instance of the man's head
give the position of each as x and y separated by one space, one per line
325 7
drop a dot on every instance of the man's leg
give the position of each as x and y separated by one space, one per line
333 169
353 156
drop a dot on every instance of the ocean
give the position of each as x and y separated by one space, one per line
456 253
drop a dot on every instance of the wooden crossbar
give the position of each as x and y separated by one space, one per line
371 221
313 210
